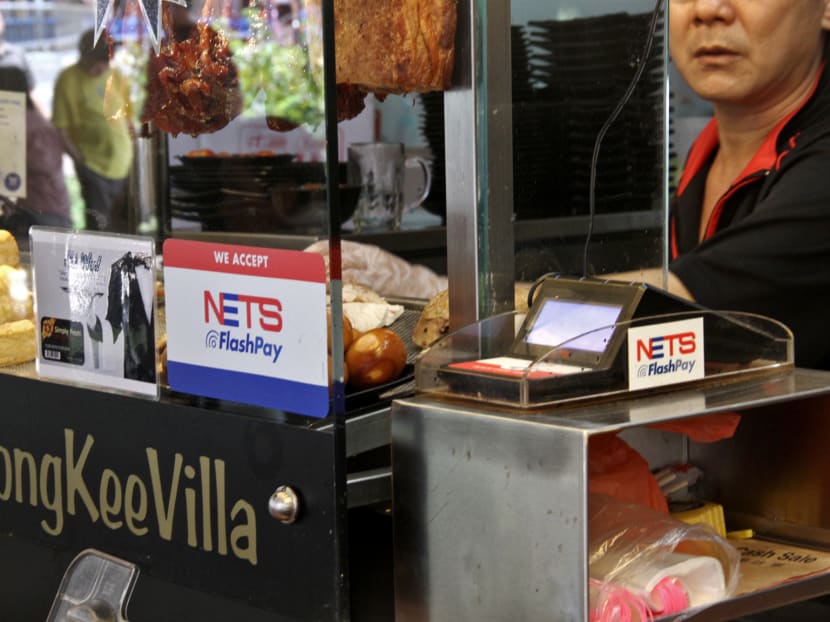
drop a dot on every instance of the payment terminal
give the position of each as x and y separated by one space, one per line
572 336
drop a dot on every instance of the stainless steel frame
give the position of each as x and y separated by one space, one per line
478 129
490 505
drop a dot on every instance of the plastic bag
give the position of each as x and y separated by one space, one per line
703 429
382 271
670 564
617 470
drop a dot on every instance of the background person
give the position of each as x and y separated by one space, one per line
13 56
47 199
91 108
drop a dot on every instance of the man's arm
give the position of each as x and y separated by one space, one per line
654 276
62 115
70 148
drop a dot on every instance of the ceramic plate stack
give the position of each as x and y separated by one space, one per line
536 152
227 192
195 196
581 68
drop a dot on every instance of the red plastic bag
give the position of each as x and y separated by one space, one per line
705 429
617 470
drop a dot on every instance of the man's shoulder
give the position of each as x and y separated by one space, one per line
68 77
64 72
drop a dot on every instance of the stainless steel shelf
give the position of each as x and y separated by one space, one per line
757 602
505 492
629 412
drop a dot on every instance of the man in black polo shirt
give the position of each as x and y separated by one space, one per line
750 226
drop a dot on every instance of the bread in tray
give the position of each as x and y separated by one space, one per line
374 352
17 342
376 357
9 252
15 297
17 331
434 321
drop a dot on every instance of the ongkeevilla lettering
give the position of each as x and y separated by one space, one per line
142 503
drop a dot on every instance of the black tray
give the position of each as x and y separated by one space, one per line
377 396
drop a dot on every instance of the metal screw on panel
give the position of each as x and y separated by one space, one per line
284 505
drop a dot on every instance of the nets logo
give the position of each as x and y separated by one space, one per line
252 311
666 347
244 312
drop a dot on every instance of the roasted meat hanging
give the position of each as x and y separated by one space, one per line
192 84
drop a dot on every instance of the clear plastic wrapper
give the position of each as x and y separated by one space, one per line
384 272
668 564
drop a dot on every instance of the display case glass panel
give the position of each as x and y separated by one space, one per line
589 136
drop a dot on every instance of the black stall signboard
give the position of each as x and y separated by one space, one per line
180 490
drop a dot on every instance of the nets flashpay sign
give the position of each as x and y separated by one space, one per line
247 324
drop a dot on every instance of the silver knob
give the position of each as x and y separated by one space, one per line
284 505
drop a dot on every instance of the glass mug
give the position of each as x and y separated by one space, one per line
380 170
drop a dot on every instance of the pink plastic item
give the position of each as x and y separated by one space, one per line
668 597
612 603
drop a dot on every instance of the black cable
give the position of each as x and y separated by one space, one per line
655 16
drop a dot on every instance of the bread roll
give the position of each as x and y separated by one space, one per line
331 372
17 342
9 253
15 298
348 331
375 357
355 334
434 321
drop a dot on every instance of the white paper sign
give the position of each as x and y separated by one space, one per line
247 324
95 308
666 353
13 139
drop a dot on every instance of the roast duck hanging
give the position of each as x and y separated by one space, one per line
192 83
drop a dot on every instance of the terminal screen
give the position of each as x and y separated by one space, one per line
559 320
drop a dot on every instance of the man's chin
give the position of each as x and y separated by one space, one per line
717 91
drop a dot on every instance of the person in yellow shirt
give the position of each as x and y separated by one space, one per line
91 109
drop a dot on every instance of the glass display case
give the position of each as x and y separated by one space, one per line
240 116
229 510
545 127
565 164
